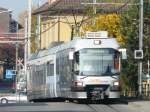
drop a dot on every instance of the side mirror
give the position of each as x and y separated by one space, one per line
123 52
71 55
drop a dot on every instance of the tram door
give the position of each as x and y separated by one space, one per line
50 81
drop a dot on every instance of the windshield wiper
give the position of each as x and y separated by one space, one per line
110 74
84 77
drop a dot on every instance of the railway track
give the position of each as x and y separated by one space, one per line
102 108
107 106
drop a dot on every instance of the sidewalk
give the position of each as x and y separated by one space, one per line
142 106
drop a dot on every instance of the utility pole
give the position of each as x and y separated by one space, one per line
148 67
94 11
16 45
16 55
140 48
39 28
29 27
25 44
25 49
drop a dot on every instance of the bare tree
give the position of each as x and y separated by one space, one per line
24 14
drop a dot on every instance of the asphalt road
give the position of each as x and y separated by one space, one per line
74 107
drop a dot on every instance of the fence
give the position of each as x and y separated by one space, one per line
146 90
134 93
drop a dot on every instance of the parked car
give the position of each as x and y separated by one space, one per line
19 97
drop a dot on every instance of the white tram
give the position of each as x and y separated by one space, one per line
85 68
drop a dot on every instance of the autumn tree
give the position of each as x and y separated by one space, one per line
107 22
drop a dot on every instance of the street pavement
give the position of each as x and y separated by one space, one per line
141 106
132 106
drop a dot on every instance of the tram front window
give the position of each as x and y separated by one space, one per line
96 62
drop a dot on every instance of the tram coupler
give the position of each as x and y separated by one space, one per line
97 95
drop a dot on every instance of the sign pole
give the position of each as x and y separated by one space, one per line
140 48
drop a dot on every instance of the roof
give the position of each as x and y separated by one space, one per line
67 6
61 6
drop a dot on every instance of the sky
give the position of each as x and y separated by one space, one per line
17 6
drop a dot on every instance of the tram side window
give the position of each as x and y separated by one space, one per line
57 65
38 77
63 65
76 64
50 69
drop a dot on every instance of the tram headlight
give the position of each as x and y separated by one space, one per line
78 83
116 83
115 86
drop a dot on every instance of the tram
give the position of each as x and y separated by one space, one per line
84 68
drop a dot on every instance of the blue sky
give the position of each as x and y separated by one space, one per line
17 5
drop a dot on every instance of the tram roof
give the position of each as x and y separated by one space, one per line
77 44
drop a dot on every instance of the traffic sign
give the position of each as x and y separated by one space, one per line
9 74
138 54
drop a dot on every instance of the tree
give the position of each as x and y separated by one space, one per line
33 35
21 19
130 31
146 40
107 22
22 16
8 55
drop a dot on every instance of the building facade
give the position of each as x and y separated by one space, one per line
59 20
8 29
5 18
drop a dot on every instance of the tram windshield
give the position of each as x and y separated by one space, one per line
96 62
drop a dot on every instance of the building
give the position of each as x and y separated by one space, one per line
57 25
8 36
61 20
5 18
